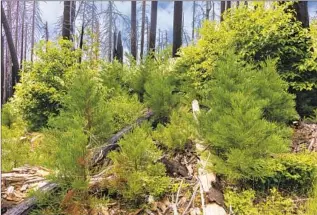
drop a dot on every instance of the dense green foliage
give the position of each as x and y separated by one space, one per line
45 81
246 72
243 203
176 134
294 173
135 167
255 34
16 150
244 124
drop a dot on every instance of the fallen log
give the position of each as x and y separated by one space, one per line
25 174
25 207
99 155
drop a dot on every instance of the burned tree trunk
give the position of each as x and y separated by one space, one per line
153 27
66 34
228 5
22 35
3 100
114 50
119 48
133 29
110 55
177 27
222 9
13 53
72 18
33 30
301 10
142 28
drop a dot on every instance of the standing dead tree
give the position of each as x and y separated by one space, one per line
133 30
13 53
152 38
142 28
177 27
66 31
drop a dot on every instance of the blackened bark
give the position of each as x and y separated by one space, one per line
177 27
81 42
228 5
33 30
72 18
110 55
66 34
22 35
153 26
114 50
301 10
142 28
120 48
133 29
222 9
13 53
2 71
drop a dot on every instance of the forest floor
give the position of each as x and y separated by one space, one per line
198 190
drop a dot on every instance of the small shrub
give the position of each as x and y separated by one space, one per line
243 203
135 168
124 110
178 131
241 126
295 173
160 93
45 82
311 206
16 149
85 99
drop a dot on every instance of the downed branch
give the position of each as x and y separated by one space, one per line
101 153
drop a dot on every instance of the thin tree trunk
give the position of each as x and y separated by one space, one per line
13 53
22 35
17 24
72 18
153 26
166 40
25 42
193 24
246 3
3 100
114 50
81 42
120 48
238 3
142 28
33 30
147 35
208 8
213 11
177 27
46 32
133 29
228 5
66 21
110 55
222 9
159 41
